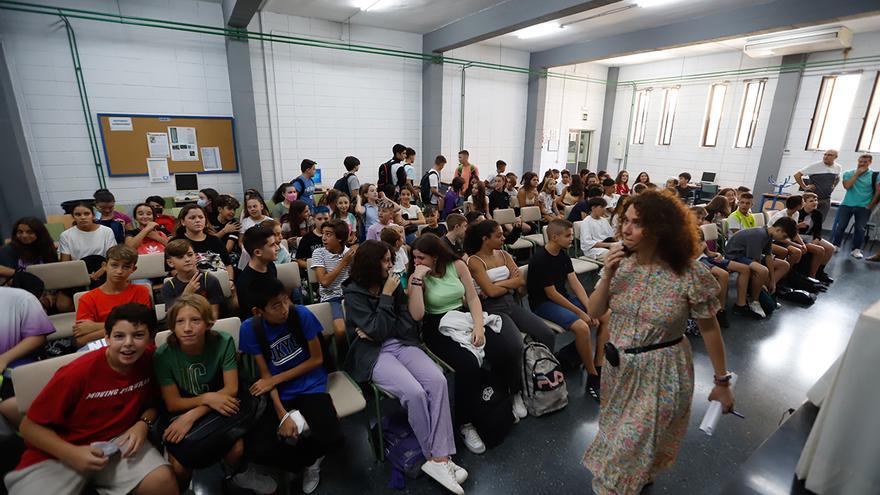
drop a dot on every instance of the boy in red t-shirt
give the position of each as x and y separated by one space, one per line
96 304
107 396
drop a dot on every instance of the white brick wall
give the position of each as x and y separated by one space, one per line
494 112
566 102
325 104
127 69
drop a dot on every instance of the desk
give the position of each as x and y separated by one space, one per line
842 452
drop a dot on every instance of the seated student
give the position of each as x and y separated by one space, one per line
103 396
259 242
105 203
197 372
386 217
149 237
386 350
86 240
208 201
715 261
454 197
582 208
366 205
31 244
742 217
283 253
286 347
511 189
549 270
497 277
410 215
597 236
547 200
498 196
394 238
210 252
454 238
284 195
339 205
685 189
794 249
157 203
254 207
810 229
24 326
331 264
432 223
96 304
438 284
609 194
181 258
311 241
749 246
229 226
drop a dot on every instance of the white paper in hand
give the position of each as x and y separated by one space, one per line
713 414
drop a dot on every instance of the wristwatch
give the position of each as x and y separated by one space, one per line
723 380
148 421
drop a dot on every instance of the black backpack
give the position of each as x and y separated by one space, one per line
384 174
342 184
494 416
425 186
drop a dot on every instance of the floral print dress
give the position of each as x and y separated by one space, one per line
646 401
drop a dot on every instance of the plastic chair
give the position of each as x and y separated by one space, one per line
55 230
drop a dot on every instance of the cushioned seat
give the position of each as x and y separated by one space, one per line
63 323
347 397
30 379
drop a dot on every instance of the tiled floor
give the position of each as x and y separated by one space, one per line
777 360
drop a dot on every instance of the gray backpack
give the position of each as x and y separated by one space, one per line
544 388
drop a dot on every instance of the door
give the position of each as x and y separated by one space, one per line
578 149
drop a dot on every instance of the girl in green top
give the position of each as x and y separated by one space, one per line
197 372
439 283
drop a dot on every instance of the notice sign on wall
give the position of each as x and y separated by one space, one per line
120 124
184 147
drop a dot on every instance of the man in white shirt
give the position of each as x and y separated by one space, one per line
562 184
824 176
595 230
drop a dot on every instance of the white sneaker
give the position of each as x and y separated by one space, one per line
836 248
443 473
472 439
312 476
756 308
857 254
255 482
461 474
519 407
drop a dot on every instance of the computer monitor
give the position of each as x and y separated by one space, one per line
186 182
708 177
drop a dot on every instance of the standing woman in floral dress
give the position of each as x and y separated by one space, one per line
652 284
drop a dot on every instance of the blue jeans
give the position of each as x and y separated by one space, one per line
841 222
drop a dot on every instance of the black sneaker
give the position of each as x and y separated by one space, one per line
721 316
592 388
745 311
824 278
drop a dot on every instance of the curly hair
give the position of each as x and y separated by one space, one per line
667 220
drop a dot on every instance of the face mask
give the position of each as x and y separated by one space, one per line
202 202
291 196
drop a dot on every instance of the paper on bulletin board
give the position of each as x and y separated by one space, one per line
184 147
158 169
211 159
157 142
120 124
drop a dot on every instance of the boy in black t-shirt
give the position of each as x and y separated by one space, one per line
181 258
432 225
311 241
549 270
260 244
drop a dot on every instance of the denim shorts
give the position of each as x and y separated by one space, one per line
549 310
742 259
335 307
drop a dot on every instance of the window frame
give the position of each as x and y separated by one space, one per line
753 123
642 101
874 98
708 115
825 110
667 117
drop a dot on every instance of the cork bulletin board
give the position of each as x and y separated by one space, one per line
130 140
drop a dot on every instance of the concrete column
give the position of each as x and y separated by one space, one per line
535 105
241 86
432 115
19 195
776 137
607 117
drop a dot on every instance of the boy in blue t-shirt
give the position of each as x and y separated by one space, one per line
304 185
287 350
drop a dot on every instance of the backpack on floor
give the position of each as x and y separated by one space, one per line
544 388
493 418
402 449
767 302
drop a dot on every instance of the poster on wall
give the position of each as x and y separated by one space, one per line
211 159
158 169
184 146
157 142
120 124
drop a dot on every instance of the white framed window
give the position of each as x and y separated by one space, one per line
833 107
749 111
869 137
640 116
667 116
712 118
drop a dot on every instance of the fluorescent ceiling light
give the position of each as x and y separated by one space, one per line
535 31
654 3
366 5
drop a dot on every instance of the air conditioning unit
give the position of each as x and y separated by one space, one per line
798 41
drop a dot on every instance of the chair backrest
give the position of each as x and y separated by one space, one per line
710 231
62 275
223 277
576 227
162 337
420 228
232 326
504 216
514 201
150 266
313 277
567 210
288 274
530 213
30 379
66 220
524 270
725 227
324 315
55 230
760 219
76 298
160 312
284 244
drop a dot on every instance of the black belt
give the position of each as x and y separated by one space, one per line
612 353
